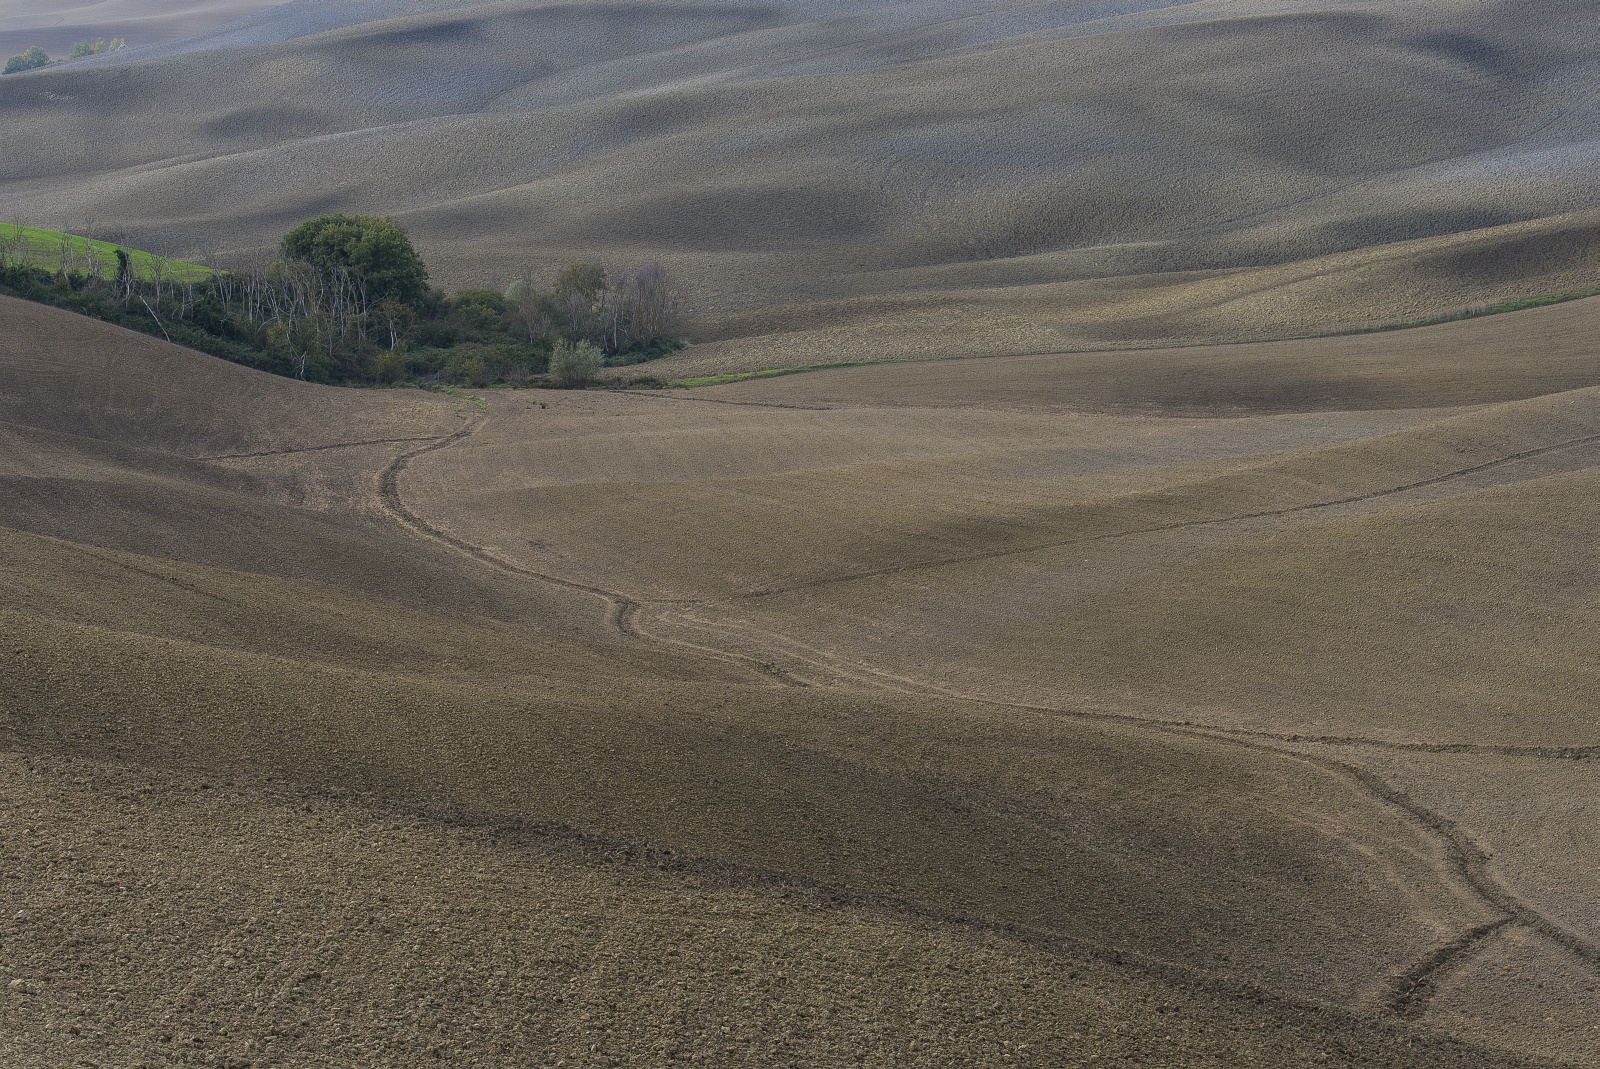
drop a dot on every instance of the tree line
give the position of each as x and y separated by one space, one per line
347 300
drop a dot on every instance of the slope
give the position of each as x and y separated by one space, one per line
964 165
211 620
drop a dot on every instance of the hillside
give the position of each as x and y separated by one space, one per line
57 27
979 176
991 756
1105 650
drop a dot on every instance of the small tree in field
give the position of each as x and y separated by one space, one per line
29 60
574 366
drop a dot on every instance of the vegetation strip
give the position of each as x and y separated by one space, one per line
770 373
347 302
345 286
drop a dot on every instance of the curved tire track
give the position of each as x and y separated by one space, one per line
622 612
316 448
1410 990
1162 528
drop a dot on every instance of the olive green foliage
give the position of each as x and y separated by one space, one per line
87 48
630 316
376 253
29 60
575 365
348 303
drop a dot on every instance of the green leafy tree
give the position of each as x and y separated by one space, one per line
29 60
374 250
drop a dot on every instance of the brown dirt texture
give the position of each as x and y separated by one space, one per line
1106 668
1225 706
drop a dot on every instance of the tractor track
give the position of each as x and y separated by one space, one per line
1408 992
622 612
1164 528
316 448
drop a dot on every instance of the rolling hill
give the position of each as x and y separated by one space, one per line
984 176
1034 744
1106 668
57 27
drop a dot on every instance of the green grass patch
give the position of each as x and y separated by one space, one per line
451 391
740 376
47 248
1472 312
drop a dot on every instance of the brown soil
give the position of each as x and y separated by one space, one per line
806 720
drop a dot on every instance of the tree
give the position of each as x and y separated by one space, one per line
580 299
124 275
375 251
396 319
29 60
533 310
574 365
650 307
85 48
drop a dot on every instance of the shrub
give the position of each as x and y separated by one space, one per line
84 48
29 60
387 366
470 363
477 313
574 365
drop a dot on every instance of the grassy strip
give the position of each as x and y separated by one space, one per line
451 391
740 376
1465 313
45 246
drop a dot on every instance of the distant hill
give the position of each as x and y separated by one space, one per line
58 27
1078 158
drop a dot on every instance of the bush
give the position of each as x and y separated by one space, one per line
574 365
631 316
29 60
654 350
84 48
